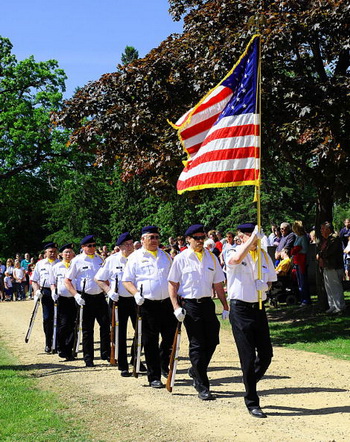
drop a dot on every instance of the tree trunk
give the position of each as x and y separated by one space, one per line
324 212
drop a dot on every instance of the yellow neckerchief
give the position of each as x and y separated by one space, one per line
50 260
66 264
254 254
153 252
199 254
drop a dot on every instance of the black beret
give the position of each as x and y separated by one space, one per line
195 228
246 228
50 245
123 237
87 239
149 229
66 246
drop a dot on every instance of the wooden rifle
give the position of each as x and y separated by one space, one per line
174 358
137 340
55 311
115 329
34 313
79 325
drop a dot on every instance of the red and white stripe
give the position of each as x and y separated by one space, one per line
227 155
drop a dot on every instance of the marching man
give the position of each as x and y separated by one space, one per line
249 322
67 310
193 274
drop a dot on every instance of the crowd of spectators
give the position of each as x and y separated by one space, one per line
291 243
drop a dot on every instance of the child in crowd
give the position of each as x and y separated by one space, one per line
8 287
285 264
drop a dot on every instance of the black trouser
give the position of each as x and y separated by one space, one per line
67 313
48 311
157 318
251 332
95 307
126 310
202 327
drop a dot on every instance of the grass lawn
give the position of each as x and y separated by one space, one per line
308 329
28 413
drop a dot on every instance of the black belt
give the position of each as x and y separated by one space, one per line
157 300
246 304
197 300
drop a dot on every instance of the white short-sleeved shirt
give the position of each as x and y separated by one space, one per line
19 274
58 275
8 281
114 266
42 272
151 272
241 277
83 268
194 276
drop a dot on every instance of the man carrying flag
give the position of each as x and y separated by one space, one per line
221 136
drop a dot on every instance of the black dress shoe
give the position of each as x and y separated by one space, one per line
125 373
143 369
89 364
205 395
62 355
47 349
165 373
70 358
156 384
257 412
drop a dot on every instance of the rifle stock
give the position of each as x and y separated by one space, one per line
55 313
114 330
32 318
79 325
174 357
137 340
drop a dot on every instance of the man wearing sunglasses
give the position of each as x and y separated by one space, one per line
193 274
81 284
249 323
148 268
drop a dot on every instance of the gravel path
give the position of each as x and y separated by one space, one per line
305 395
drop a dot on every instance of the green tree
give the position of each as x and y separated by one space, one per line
129 55
29 91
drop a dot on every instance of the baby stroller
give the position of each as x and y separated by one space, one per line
284 290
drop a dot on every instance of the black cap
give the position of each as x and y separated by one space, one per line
149 229
122 238
195 228
87 239
50 245
246 228
66 246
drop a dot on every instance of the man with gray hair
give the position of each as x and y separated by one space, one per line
287 240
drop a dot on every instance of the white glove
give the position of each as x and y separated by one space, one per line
261 285
113 295
180 314
54 295
139 299
258 234
38 295
225 314
79 300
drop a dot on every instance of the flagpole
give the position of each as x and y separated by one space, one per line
257 187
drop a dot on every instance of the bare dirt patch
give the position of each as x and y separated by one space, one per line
305 395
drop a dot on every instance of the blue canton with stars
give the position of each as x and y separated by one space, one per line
243 82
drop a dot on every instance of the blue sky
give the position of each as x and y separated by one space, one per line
86 37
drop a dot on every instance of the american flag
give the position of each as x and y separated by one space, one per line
221 133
